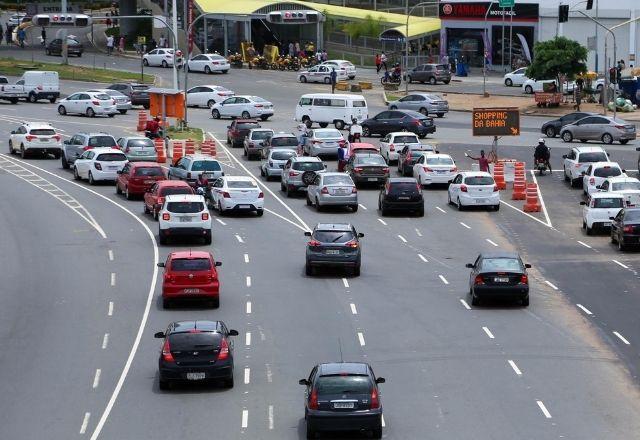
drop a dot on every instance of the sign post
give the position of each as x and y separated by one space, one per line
499 121
142 40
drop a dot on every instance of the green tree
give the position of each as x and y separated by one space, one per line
558 57
369 27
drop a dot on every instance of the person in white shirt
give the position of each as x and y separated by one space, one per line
302 130
110 43
355 131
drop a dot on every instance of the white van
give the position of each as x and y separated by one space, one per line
327 108
40 85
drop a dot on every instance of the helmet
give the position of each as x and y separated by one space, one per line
541 141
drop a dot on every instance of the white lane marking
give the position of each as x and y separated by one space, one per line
418 233
345 282
269 374
493 243
85 423
525 213
248 281
105 341
96 378
248 307
382 221
404 240
147 307
110 311
247 375
550 284
443 279
584 309
423 258
544 409
221 222
620 264
622 338
270 416
441 210
464 303
465 225
383 422
353 309
584 244
361 338
515 367
110 255
245 418
240 240
285 219
246 258
113 279
362 206
488 332
542 205
247 339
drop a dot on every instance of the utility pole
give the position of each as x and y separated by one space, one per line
174 24
65 46
596 26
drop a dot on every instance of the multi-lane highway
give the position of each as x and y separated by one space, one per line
81 303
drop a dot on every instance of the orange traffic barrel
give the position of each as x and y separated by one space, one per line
142 120
532 204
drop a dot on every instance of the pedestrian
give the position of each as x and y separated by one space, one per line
9 34
21 34
325 56
302 131
319 56
43 36
291 49
383 60
297 49
115 20
342 152
378 63
483 162
121 44
162 41
108 20
334 78
110 43
445 59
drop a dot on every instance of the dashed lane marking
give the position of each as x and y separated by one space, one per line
423 258
248 281
354 311
585 244
247 339
362 206
464 303
404 240
488 332
345 282
105 341
418 233
492 243
113 279
110 255
245 418
443 279
441 210
361 338
515 367
247 375
622 338
465 225
240 240
584 309
382 221
221 222
85 423
544 409
620 264
110 311
270 416
246 258
550 284
96 378
248 307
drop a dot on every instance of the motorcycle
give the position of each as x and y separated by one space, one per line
393 78
541 166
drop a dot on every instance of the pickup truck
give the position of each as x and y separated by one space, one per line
11 92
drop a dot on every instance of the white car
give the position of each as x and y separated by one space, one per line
627 187
35 137
236 193
208 63
123 102
99 164
515 78
345 65
532 85
596 173
16 19
89 104
598 210
207 95
162 57
244 106
321 74
434 168
275 162
184 215
578 159
471 188
394 142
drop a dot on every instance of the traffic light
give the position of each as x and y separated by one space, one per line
563 13
589 5
69 20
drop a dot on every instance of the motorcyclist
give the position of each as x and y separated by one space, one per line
152 129
542 153
355 131
397 72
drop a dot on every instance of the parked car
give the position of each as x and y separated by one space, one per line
136 178
207 95
598 210
244 107
552 128
239 129
431 73
138 148
189 168
367 168
99 164
339 65
89 104
184 215
531 86
11 92
123 102
74 47
154 196
401 194
515 78
625 228
434 168
321 73
394 142
408 156
16 19
474 188
599 128
333 245
208 63
322 141
298 172
35 138
190 276
389 121
273 165
579 159
332 189
236 194
137 93
162 57
499 275
425 103
254 142
80 142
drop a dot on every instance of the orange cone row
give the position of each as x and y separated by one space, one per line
189 147
532 204
208 147
498 175
142 120
519 182
178 150
159 145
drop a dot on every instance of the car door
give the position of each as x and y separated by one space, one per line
241 105
586 176
322 73
151 196
198 62
618 223
584 128
454 187
194 97
83 103
518 77
152 57
227 107
216 190
82 163
396 121
176 171
312 189
417 167
72 103
379 122
123 176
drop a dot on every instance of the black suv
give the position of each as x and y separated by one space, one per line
196 351
333 244
342 397
239 129
137 93
74 147
401 194
74 47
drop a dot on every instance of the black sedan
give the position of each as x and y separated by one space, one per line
625 228
401 194
333 245
367 168
342 397
408 156
552 128
499 275
196 351
74 47
389 121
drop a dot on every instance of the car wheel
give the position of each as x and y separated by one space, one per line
323 124
166 303
118 190
440 115
111 115
567 136
145 62
123 112
366 132
23 152
164 385
311 433
525 301
460 207
245 115
309 202
62 110
215 303
127 194
215 113
47 52
409 79
420 212
207 70
165 64
566 178
623 141
339 124
163 238
327 80
528 90
424 111
356 271
607 138
449 198
308 269
156 214
303 79
432 80
145 208
497 207
508 82
33 98
207 239
244 152
11 150
550 132
621 245
354 208
76 176
318 207
588 229
90 113
260 212
52 100
211 103
475 301
219 208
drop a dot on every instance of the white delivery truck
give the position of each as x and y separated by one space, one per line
40 85
328 108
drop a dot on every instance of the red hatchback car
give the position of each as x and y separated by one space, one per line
190 275
154 197
137 177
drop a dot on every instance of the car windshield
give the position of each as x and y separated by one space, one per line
185 207
241 184
333 236
370 160
308 166
439 161
607 171
101 141
406 139
479 180
282 155
205 165
501 265
111 157
174 190
632 215
102 96
400 187
613 202
190 264
593 157
258 99
248 125
140 143
260 135
621 186
149 171
344 384
337 180
284 142
194 341
329 134
42 132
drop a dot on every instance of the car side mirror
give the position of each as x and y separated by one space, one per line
325 166
624 171
469 266
218 263
582 173
77 154
598 186
583 203
437 151
160 264
381 380
228 126
65 142
233 332
13 132
307 234
360 235
527 265
119 172
564 156
612 218
159 335
450 181
303 382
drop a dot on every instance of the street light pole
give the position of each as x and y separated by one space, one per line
484 58
406 38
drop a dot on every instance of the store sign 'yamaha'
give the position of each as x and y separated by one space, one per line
477 11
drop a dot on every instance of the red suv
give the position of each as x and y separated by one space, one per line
190 275
137 177
238 130
154 197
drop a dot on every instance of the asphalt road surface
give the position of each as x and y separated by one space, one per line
81 303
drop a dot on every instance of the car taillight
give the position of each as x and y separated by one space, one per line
578 165
30 138
224 350
428 170
293 173
592 181
86 148
628 229
97 165
258 105
316 142
261 195
454 169
478 280
495 188
57 137
463 188
524 279
324 190
166 216
385 170
226 195
166 352
416 122
205 216
352 244
95 102
313 243
375 400
392 147
357 170
160 201
313 399
619 127
215 63
169 278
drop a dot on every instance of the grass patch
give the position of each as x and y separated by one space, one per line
13 67
188 133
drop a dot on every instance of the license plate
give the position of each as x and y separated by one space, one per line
149 182
185 219
501 279
244 206
343 405
191 290
403 198
605 224
44 140
332 252
196 376
340 192
478 200
372 179
112 168
441 171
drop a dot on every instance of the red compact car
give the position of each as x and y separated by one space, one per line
154 197
137 177
190 275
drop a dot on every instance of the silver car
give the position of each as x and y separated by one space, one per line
272 167
123 102
298 172
323 141
425 103
138 148
332 189
189 168
599 128
254 142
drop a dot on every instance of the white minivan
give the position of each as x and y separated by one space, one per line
327 108
40 85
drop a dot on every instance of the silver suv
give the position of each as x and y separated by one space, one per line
79 143
299 172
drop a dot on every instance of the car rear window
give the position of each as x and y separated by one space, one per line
139 88
149 171
111 157
260 135
344 384
190 264
439 161
284 142
442 67
308 166
369 160
140 143
282 155
102 96
621 186
174 190
400 187
479 180
613 202
329 134
501 264
205 165
607 171
337 180
101 141
416 154
248 126
632 215
333 236
241 184
194 341
42 132
185 207
406 139
592 157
